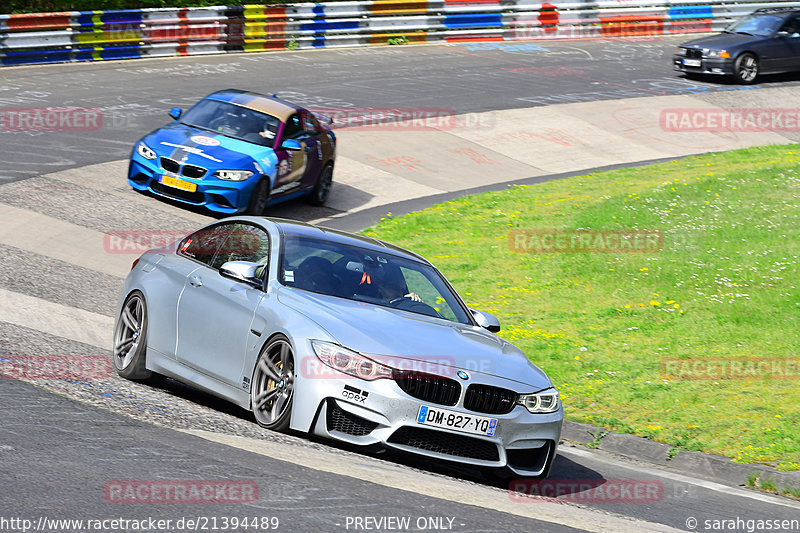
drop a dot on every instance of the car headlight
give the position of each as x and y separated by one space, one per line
680 51
541 402
233 175
350 362
723 54
145 151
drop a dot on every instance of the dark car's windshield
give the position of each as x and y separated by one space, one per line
367 276
234 121
760 25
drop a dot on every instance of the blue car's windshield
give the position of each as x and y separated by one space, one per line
234 121
760 25
367 276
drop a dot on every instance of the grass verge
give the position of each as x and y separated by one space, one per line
620 334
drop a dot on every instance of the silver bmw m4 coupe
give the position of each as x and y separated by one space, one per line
337 335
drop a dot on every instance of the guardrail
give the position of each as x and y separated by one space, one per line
100 35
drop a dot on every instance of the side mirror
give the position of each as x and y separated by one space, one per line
291 144
175 112
486 320
243 271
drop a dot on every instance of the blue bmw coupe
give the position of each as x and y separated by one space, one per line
237 152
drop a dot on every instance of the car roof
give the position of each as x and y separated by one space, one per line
776 10
266 104
296 228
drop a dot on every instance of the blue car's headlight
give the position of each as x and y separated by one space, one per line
541 402
233 175
145 151
680 51
350 362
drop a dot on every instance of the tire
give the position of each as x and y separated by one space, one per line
323 187
272 389
745 68
258 200
130 342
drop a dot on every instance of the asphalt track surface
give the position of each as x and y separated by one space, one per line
57 454
469 78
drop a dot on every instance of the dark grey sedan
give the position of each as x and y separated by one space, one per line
764 42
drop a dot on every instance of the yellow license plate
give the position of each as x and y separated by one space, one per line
179 184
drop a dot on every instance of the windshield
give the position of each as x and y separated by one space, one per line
364 275
761 25
234 121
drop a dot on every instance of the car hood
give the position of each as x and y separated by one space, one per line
207 149
721 41
410 341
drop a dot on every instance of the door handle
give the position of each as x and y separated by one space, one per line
195 281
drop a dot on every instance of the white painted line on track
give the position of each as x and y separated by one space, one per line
54 238
56 319
674 476
398 477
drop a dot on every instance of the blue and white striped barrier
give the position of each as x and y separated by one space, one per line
135 33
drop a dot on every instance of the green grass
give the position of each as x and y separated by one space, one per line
724 286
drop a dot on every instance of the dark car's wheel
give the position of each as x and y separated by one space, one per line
130 344
272 387
745 69
258 200
323 187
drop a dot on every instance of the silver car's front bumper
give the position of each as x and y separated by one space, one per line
379 412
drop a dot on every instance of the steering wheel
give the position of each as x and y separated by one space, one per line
407 304
223 125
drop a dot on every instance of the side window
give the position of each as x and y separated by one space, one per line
202 245
310 123
243 243
294 128
792 26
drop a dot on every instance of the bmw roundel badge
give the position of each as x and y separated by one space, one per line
462 374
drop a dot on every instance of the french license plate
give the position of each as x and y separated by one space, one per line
444 418
692 63
178 183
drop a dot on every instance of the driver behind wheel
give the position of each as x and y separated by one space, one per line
392 284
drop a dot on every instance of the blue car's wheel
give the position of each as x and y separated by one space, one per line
258 200
323 187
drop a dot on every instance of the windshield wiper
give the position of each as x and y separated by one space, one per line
745 33
196 126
